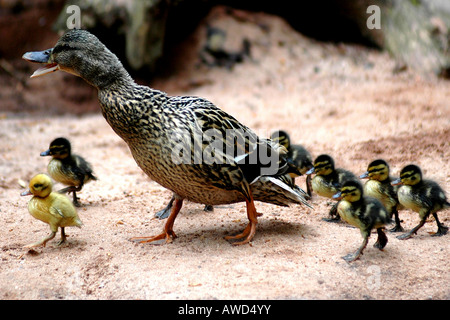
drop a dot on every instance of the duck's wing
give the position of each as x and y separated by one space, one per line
217 138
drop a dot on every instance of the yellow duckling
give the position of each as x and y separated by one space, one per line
379 186
423 196
67 168
328 180
363 212
50 207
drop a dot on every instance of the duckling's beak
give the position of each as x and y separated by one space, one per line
337 196
41 57
396 182
364 175
45 153
26 193
310 171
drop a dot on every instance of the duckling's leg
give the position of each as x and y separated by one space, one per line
441 228
355 256
250 230
168 233
164 213
397 227
63 237
413 230
334 215
382 239
72 189
43 242
308 185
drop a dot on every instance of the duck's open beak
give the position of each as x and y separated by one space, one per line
396 182
364 175
41 57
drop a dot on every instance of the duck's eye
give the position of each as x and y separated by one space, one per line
413 178
37 185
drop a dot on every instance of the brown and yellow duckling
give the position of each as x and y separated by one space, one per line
363 212
379 186
50 207
68 168
422 196
297 154
166 136
328 180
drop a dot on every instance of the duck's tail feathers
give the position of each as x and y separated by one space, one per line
300 196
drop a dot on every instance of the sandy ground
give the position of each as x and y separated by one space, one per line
343 100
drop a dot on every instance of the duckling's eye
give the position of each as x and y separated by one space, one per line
37 185
413 178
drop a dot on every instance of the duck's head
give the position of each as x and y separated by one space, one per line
59 148
409 176
40 186
81 53
281 137
351 191
323 165
376 170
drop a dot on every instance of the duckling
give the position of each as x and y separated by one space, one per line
422 196
328 180
300 157
184 143
363 212
67 168
379 186
50 207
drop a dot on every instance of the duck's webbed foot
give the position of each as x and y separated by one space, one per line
442 230
168 235
382 239
355 256
43 242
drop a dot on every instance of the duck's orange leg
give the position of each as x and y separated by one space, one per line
250 230
168 233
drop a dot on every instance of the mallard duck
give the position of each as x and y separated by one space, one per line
379 186
298 154
67 168
328 180
186 144
50 207
363 212
422 196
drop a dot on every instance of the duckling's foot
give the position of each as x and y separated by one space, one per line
405 236
397 228
442 230
208 208
43 242
335 219
352 257
382 240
